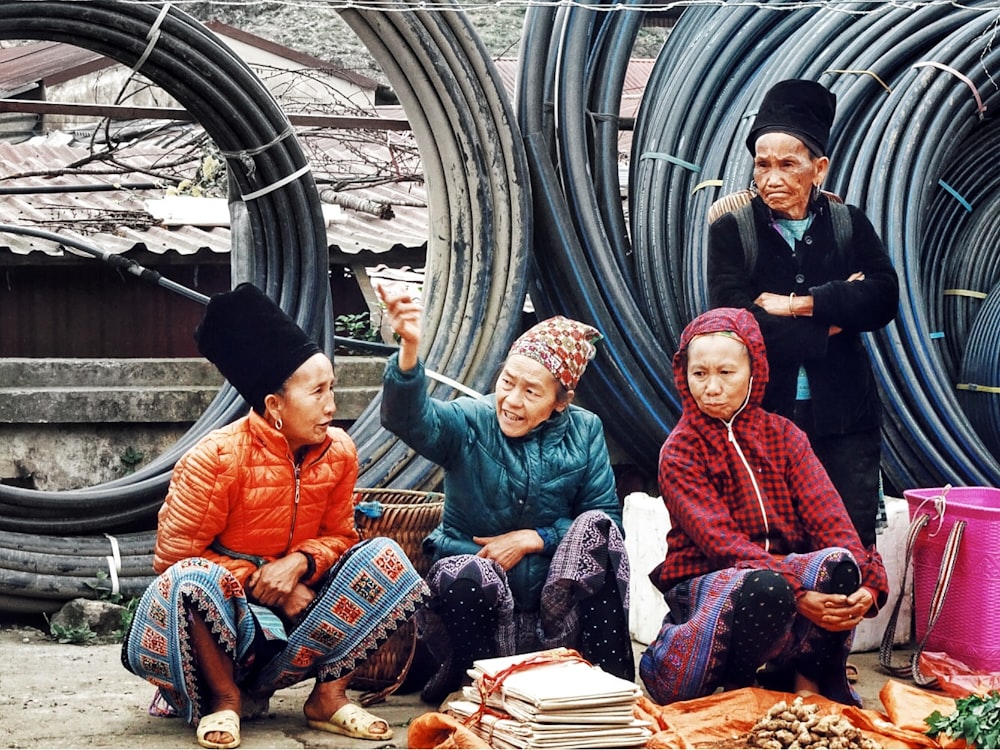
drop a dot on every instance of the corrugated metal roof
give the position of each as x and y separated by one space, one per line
117 220
225 30
25 65
636 77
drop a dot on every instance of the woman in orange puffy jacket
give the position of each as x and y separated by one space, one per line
263 582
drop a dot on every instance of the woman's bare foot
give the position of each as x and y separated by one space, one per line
217 671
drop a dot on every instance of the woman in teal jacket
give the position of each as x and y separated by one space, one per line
529 553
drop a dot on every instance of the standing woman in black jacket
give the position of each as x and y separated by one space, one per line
815 275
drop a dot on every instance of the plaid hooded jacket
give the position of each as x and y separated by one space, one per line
746 494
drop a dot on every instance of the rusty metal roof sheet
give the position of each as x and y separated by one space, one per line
23 66
225 30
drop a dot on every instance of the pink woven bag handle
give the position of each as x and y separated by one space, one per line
948 558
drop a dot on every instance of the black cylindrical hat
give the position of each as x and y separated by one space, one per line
252 341
804 109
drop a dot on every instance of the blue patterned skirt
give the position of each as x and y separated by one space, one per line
371 591
688 658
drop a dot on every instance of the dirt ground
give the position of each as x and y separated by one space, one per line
55 695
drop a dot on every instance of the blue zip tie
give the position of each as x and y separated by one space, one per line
954 193
672 159
369 508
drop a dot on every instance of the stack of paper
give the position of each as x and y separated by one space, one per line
563 703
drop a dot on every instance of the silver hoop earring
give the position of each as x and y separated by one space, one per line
278 424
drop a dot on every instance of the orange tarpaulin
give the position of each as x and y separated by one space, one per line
956 678
441 731
723 720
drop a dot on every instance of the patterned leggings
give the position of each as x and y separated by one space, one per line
584 605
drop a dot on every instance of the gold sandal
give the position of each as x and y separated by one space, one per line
353 721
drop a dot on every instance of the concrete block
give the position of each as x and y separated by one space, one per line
891 545
73 423
104 405
151 391
646 523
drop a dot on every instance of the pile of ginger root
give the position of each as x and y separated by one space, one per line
800 725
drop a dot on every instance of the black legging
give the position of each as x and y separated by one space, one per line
604 636
470 621
845 579
763 612
852 462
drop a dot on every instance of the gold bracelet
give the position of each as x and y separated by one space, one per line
791 312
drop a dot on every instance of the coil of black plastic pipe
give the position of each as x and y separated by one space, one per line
575 273
934 113
241 117
980 367
479 201
906 80
478 194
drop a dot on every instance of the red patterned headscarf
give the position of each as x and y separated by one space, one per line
562 346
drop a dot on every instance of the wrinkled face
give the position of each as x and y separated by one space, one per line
785 173
718 374
305 404
526 395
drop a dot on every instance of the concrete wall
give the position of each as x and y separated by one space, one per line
71 423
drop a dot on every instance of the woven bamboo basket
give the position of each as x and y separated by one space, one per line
407 517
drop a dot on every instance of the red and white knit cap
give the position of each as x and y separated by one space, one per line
562 346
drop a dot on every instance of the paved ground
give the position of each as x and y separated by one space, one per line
56 695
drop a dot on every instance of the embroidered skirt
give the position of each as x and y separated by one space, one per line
688 658
591 553
371 591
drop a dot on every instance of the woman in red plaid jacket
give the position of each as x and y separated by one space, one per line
763 565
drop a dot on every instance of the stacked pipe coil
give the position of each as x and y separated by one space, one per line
478 186
912 83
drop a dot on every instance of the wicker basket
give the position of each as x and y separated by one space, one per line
407 517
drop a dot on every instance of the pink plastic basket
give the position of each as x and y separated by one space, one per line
968 626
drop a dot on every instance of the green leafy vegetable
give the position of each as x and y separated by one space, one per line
976 720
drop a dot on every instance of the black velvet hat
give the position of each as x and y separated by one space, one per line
804 109
252 341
